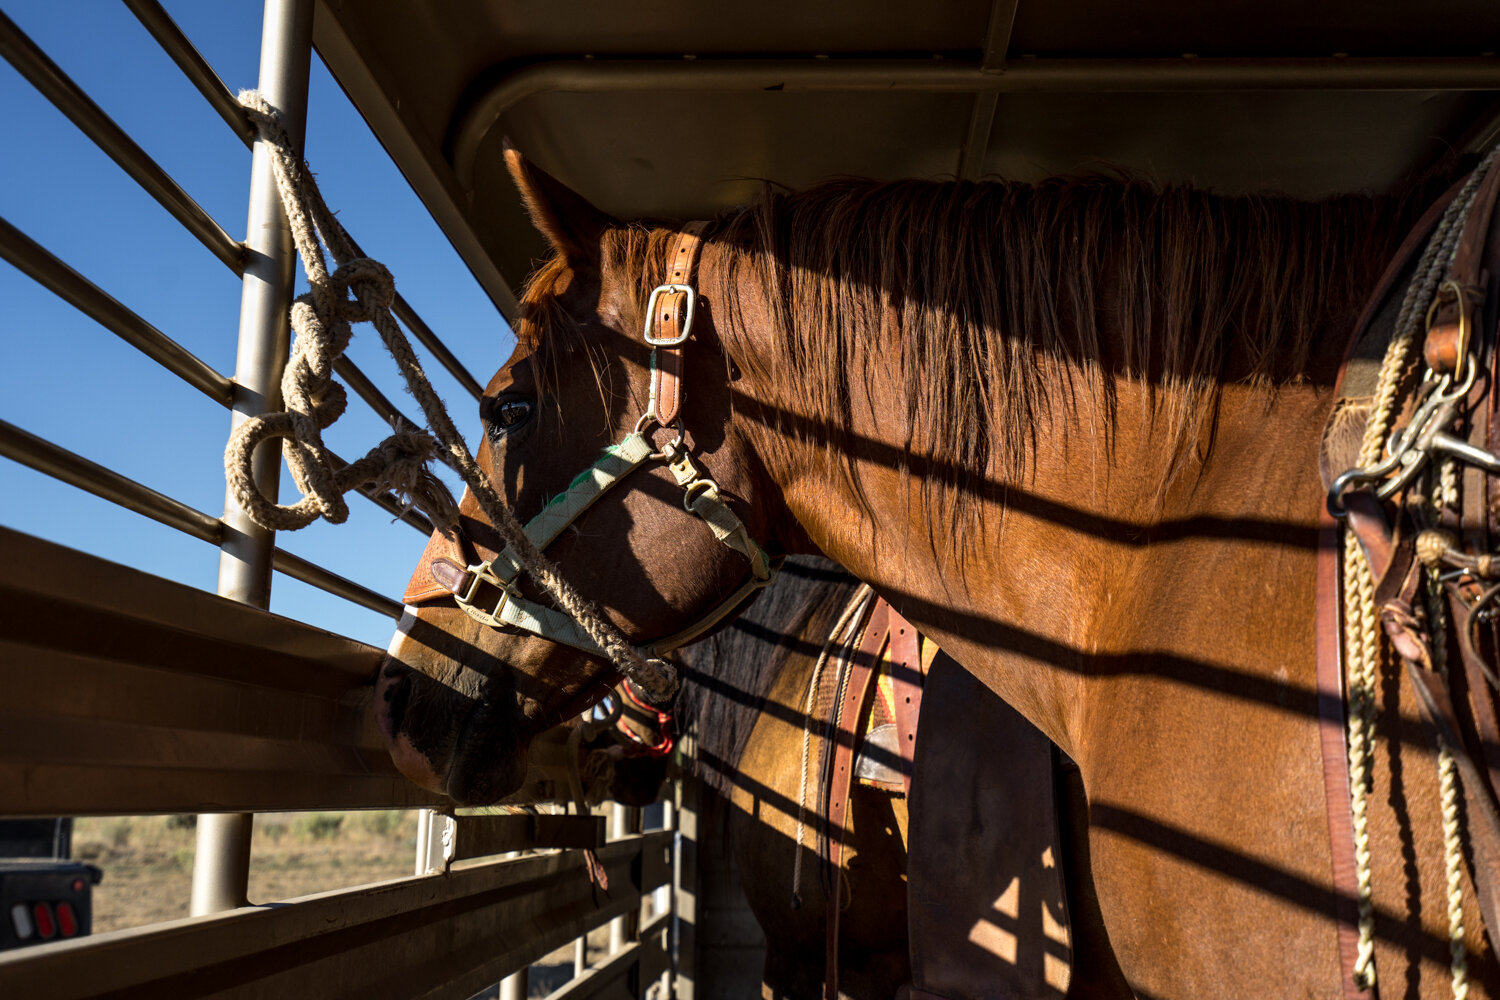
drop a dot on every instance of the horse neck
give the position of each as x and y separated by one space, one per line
1030 562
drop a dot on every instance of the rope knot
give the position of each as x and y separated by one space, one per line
365 288
1433 546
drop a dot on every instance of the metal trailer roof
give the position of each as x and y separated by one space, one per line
678 109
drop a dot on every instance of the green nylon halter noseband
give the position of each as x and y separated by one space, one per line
700 496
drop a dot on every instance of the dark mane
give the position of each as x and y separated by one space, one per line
727 678
1000 303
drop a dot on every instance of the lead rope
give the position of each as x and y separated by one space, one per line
313 401
1361 626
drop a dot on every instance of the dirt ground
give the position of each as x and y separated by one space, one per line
148 867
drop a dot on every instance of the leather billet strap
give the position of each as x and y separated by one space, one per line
853 694
906 689
669 315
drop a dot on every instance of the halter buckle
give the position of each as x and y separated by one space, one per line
687 322
483 573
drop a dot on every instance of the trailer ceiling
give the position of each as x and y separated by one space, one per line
679 109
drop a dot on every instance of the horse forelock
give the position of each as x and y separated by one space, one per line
1002 303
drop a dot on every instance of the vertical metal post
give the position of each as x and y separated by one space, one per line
623 821
221 867
514 986
580 955
685 889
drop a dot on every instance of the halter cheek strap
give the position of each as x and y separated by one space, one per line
486 590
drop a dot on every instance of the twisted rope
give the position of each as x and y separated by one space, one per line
322 320
1453 851
1361 628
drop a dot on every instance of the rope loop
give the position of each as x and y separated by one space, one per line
359 290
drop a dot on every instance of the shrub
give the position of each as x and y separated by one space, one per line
381 822
182 821
118 831
318 826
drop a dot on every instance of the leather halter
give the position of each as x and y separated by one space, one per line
487 589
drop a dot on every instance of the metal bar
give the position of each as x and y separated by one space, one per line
55 85
482 836
982 116
408 316
366 390
177 45
475 121
221 870
513 986
188 59
612 972
419 937
47 270
686 913
33 260
410 147
314 575
75 470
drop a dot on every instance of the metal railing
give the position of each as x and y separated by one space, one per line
178 701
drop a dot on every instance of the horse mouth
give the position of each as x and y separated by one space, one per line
488 761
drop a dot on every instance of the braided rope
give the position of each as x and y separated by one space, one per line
322 319
1363 651
1453 851
1361 628
847 622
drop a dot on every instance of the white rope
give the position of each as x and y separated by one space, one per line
1363 647
1453 851
314 401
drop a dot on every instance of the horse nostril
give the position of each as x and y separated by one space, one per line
395 692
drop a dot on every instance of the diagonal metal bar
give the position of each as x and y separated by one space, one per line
182 51
33 260
982 116
55 85
169 36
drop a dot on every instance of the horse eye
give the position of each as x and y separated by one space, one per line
507 414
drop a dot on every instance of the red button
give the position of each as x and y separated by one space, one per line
66 922
45 928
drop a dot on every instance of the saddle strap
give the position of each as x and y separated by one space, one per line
906 688
854 693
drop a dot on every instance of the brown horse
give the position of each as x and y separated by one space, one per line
759 742
1071 432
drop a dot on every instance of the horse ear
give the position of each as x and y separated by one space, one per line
570 223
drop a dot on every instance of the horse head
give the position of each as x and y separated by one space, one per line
481 661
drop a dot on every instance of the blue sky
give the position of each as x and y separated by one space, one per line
68 379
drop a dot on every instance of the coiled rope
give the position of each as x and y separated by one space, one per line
1362 632
361 290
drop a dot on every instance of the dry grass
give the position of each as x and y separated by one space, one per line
148 860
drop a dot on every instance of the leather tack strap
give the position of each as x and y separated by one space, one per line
906 687
841 774
669 320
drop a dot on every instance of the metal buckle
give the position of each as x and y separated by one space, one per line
687 323
485 573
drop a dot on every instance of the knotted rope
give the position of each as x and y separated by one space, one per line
1362 631
361 290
